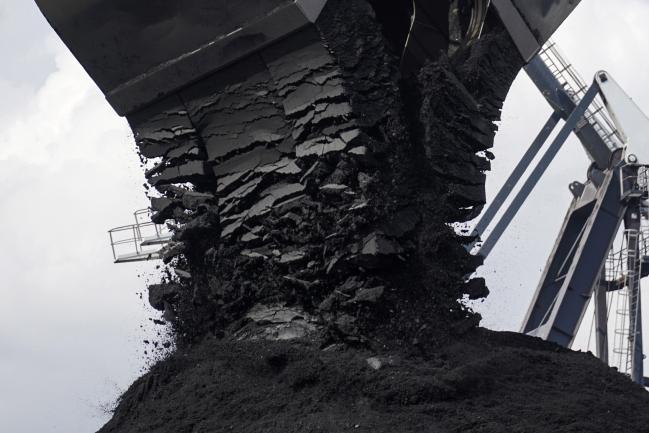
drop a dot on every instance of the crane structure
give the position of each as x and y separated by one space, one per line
585 261
149 60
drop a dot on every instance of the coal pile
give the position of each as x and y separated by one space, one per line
318 285
484 382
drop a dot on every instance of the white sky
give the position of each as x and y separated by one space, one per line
70 337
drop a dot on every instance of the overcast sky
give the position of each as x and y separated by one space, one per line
70 336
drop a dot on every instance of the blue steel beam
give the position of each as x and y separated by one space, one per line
538 171
517 173
601 321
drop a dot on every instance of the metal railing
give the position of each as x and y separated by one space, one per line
140 241
624 270
576 87
617 272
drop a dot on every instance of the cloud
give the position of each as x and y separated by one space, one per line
27 61
49 128
69 318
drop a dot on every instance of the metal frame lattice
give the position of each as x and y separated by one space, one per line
140 241
576 87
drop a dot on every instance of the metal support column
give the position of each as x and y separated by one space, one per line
634 273
553 87
601 319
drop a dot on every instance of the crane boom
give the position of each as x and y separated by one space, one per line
629 119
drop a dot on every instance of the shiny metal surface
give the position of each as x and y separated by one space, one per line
139 50
545 16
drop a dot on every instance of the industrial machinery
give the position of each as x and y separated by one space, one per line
139 54
140 241
586 262
155 62
147 59
164 66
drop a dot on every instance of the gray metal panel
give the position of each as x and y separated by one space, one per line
210 58
117 40
139 51
588 195
631 122
525 40
545 16
562 252
577 287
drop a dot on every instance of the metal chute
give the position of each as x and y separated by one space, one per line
139 51
445 26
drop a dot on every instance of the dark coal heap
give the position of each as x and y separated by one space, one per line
482 382
319 283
